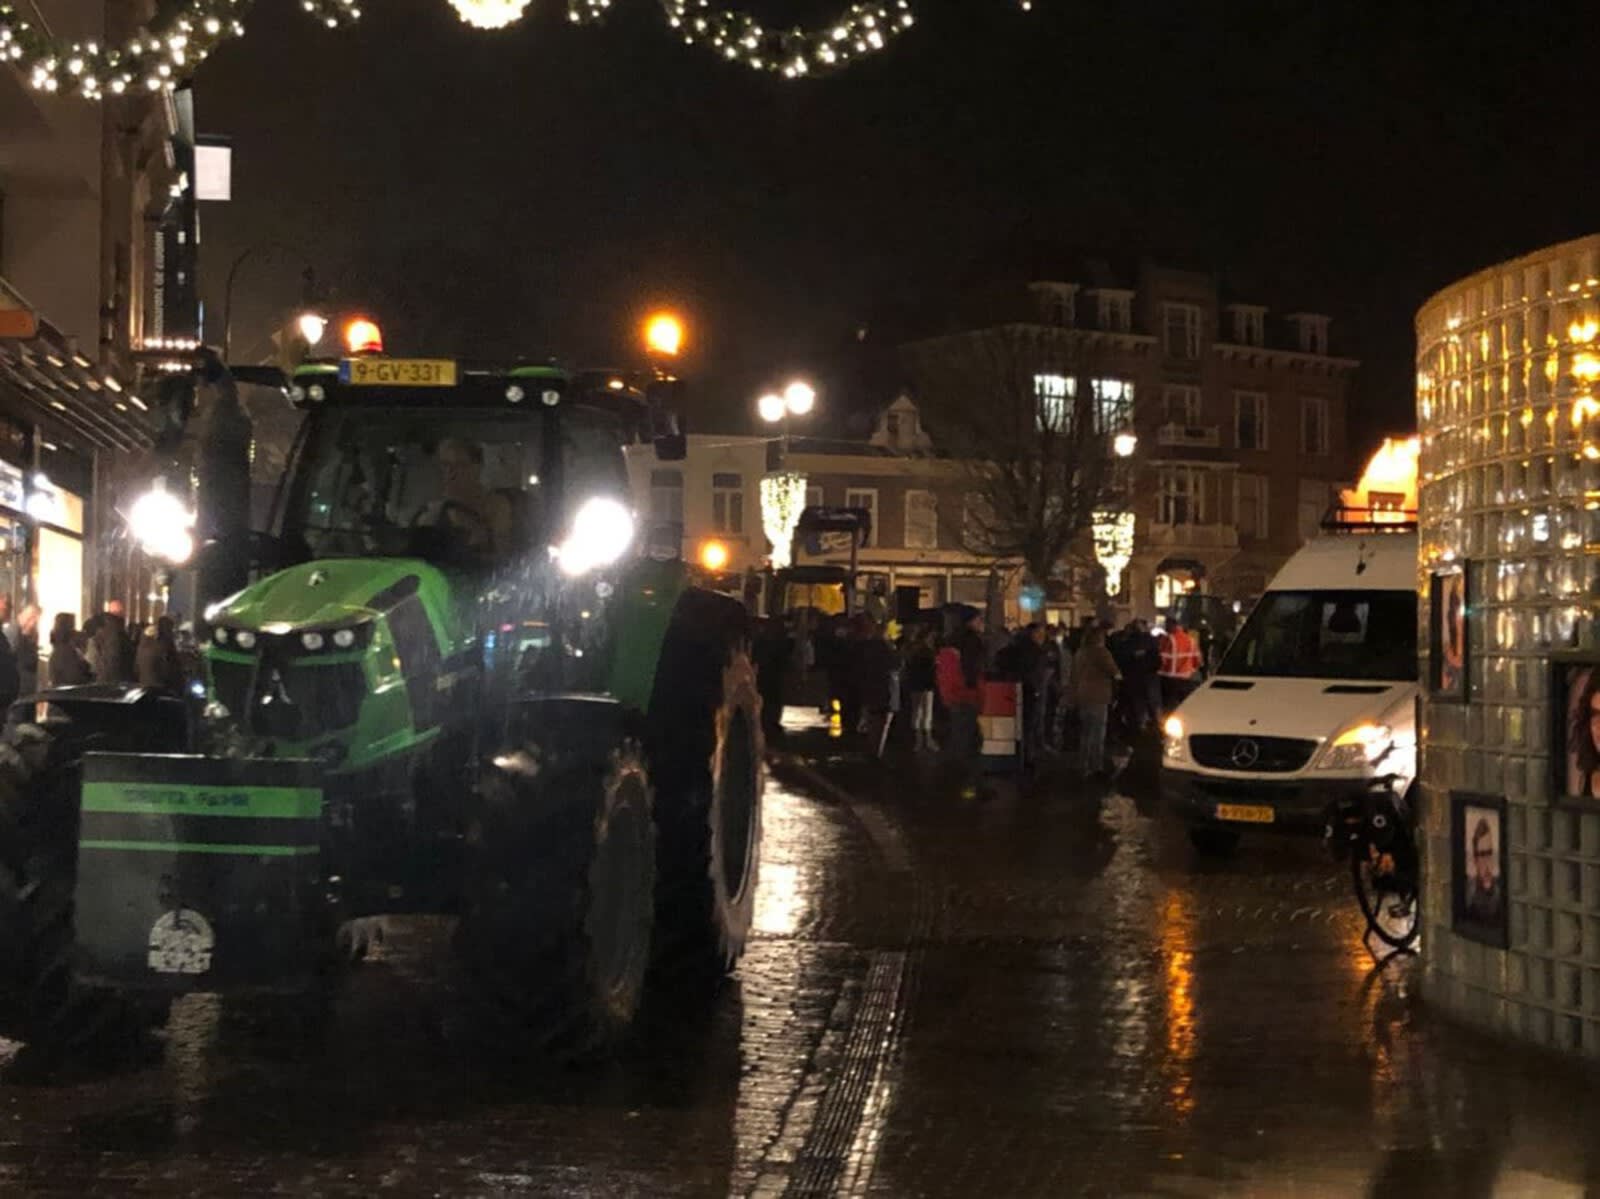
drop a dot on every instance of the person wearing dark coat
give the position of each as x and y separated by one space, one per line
27 647
872 664
10 677
68 666
773 651
111 654
920 682
156 663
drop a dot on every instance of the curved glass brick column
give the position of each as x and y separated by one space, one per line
1508 405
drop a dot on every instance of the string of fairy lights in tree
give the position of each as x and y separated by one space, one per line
161 55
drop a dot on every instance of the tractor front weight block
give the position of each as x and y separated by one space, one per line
200 874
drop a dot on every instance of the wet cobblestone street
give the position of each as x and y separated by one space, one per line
1041 993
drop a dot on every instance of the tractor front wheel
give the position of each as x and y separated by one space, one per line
556 925
40 1003
709 818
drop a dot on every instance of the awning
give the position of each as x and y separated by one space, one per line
16 318
43 377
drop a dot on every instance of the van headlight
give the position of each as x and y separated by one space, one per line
601 533
1172 739
1358 746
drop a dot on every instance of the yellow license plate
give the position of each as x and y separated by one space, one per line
1247 813
399 372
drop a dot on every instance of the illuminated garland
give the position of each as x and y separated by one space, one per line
158 58
783 499
1113 545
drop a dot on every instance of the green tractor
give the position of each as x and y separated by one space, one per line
455 687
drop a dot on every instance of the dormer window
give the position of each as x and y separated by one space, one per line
1113 310
1312 331
1249 324
1057 303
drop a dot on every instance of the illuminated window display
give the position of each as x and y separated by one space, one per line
1508 368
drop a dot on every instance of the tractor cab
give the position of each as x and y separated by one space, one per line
437 527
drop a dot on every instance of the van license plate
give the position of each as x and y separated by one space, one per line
1247 813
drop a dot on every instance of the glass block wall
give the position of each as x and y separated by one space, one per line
1508 363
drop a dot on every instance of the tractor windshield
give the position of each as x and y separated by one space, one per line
472 486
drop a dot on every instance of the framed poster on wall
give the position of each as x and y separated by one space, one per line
1478 868
1447 636
1575 726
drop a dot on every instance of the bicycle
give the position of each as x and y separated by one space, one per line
1375 830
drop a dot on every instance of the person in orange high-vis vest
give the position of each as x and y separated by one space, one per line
1180 664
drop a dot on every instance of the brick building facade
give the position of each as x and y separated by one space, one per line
1241 416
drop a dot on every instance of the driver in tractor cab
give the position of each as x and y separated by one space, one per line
483 517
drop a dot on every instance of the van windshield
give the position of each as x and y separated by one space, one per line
1328 635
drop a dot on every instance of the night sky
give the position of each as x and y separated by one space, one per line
534 190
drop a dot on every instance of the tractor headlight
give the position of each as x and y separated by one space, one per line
1359 746
601 532
333 640
245 639
219 635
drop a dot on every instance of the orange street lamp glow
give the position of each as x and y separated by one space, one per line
714 555
362 336
663 334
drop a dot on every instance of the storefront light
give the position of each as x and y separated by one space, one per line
162 525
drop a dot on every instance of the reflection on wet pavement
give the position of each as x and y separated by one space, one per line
1042 993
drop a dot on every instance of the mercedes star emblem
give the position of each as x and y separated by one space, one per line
1245 753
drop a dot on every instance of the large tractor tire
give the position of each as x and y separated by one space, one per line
556 923
39 1001
710 775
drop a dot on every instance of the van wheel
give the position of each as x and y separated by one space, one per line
1214 842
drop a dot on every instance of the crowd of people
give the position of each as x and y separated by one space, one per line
104 650
1081 688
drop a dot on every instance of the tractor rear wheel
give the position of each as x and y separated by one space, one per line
40 1003
556 924
709 822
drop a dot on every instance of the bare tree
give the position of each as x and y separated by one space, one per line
1035 424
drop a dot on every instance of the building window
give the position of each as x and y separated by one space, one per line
1180 405
1250 505
1057 303
1052 396
1182 496
666 497
865 497
1182 324
1313 424
814 496
922 521
1113 405
1115 311
1314 496
1250 420
727 503
1313 330
1249 326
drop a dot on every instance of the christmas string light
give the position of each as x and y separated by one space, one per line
152 60
157 58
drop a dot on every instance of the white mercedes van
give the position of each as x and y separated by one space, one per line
1314 699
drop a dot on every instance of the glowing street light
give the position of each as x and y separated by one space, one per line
663 334
1124 444
771 408
799 397
714 555
311 326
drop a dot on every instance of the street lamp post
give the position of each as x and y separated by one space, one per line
308 297
775 408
